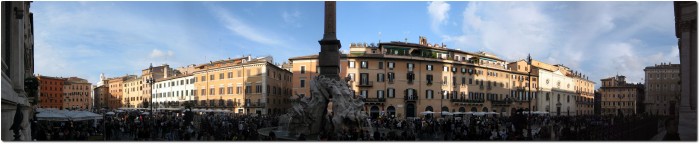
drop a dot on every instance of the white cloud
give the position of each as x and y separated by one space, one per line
292 18
107 38
438 13
599 39
156 53
243 29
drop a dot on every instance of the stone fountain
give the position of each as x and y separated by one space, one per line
309 115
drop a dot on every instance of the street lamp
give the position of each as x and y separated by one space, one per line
151 81
529 95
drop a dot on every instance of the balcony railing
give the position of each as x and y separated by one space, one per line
470 101
501 102
375 100
365 84
410 98
255 105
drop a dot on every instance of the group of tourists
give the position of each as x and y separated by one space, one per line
181 125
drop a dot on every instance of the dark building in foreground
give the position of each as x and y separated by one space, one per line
686 18
596 103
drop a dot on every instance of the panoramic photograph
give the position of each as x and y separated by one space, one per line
371 71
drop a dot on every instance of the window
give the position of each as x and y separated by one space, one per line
444 80
464 80
351 64
364 78
380 77
380 65
464 70
238 89
221 91
391 65
229 90
248 89
363 64
302 82
204 78
230 75
211 91
410 77
429 78
239 73
258 88
429 67
352 76
211 77
303 69
445 68
380 94
445 94
390 92
454 69
363 93
390 75
410 66
204 92
470 81
429 94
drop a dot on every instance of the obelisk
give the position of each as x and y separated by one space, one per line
329 57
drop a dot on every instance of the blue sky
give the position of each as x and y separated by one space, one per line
600 39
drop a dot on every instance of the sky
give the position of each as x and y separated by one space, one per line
599 39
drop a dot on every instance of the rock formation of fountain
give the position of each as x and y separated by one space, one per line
307 113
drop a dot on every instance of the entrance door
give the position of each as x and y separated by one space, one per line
558 111
410 110
392 111
374 112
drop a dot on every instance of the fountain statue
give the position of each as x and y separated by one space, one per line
310 116
307 113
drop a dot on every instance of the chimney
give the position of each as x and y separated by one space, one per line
165 72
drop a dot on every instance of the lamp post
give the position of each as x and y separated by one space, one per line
151 81
529 95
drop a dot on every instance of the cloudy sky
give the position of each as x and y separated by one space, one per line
600 39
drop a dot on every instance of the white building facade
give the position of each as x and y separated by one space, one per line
556 93
173 92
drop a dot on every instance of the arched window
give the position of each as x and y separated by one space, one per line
558 97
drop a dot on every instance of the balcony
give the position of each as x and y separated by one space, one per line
501 102
255 105
365 84
410 98
467 101
374 100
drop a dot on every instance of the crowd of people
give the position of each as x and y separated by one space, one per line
175 126
63 131
211 126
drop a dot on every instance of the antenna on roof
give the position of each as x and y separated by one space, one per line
380 37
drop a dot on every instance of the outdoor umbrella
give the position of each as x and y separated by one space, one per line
479 113
426 112
110 113
446 113
51 116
